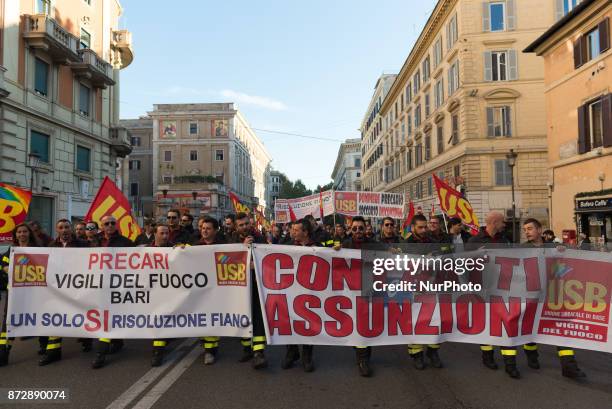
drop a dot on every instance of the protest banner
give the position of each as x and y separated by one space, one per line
110 201
318 296
303 206
370 204
142 292
453 204
14 205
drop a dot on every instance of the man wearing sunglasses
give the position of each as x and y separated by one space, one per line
178 235
111 238
148 235
65 238
422 245
388 234
252 348
358 240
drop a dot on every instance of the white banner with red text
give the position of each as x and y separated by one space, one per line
143 292
320 296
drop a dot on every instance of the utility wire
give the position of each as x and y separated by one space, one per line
299 135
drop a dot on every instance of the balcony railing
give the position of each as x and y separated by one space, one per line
41 31
122 44
120 141
94 68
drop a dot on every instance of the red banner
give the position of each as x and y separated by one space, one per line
455 205
14 204
111 201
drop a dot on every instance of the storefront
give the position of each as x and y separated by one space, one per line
594 218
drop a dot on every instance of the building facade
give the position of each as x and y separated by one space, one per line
274 189
347 170
59 101
578 86
201 152
371 129
140 166
464 97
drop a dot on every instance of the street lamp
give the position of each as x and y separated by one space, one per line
34 160
511 157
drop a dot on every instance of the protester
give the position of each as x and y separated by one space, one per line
319 234
548 236
148 235
79 231
43 238
457 234
388 233
161 238
92 231
187 223
178 235
339 233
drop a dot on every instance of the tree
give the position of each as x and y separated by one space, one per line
323 188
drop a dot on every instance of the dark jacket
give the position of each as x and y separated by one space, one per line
73 242
390 240
116 240
179 236
142 239
349 243
483 238
320 235
257 238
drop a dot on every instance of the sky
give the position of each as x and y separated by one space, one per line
305 68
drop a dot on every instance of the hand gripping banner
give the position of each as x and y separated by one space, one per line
320 296
143 292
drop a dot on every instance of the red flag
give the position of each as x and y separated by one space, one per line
406 227
455 205
292 213
14 205
433 210
111 201
321 204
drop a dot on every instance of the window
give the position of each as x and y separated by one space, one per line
496 14
88 2
357 162
416 80
43 7
193 128
417 116
167 180
134 164
592 44
409 123
594 124
498 122
84 100
501 65
41 77
418 154
135 140
409 159
427 105
455 129
438 52
426 69
408 93
134 189
193 155
83 159
452 34
427 146
503 175
439 90
440 137
457 170
167 156
568 5
429 186
419 189
453 78
219 154
39 143
85 39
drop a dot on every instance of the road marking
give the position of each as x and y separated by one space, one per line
149 399
126 398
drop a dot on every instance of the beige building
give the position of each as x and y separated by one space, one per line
372 135
201 152
140 165
578 86
347 170
464 97
59 101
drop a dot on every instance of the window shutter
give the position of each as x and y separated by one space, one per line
578 53
499 172
488 64
508 119
582 130
486 18
490 124
510 14
512 64
450 81
604 35
558 10
606 110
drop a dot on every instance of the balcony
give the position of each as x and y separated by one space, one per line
122 45
120 141
44 33
3 91
93 68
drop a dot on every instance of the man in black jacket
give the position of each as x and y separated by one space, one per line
178 235
148 235
111 238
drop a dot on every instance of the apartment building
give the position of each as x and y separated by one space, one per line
140 165
347 170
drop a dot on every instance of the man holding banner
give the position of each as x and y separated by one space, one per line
162 239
